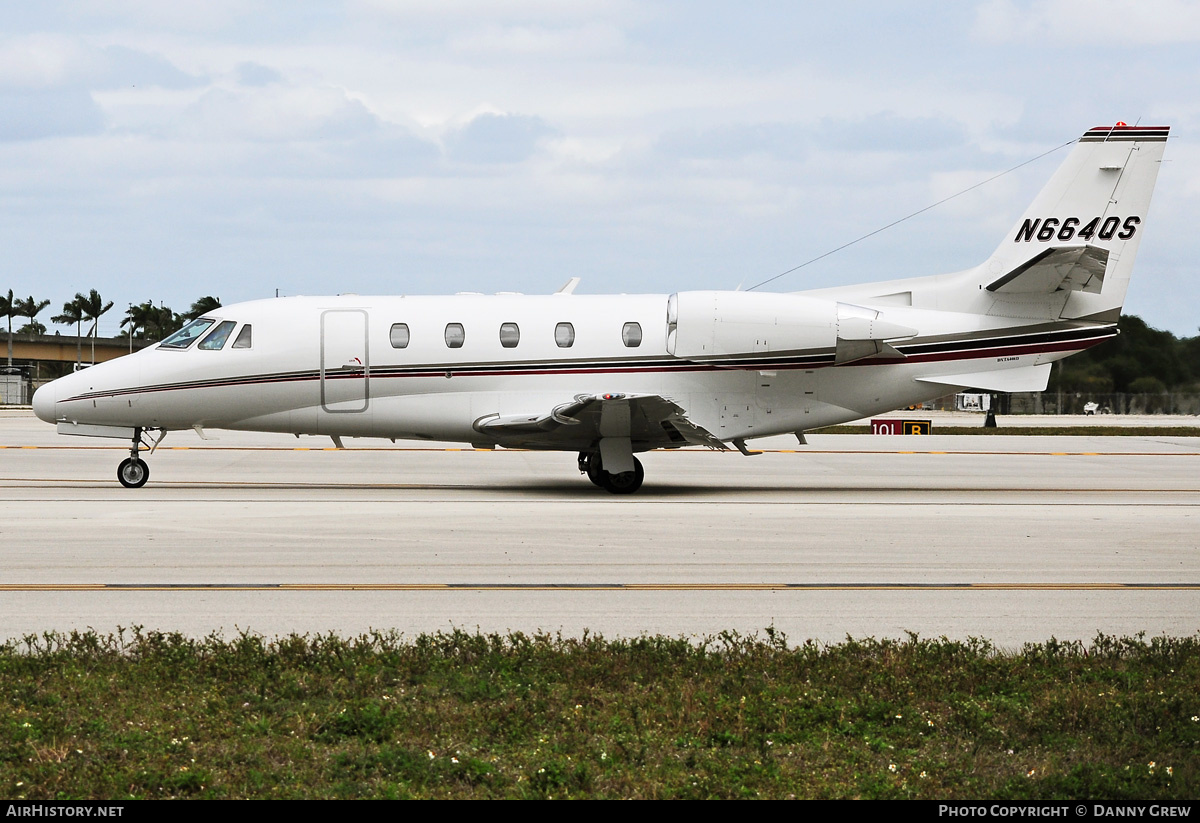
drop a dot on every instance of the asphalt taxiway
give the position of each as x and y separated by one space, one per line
1015 539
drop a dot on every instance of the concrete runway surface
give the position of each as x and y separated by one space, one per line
1015 539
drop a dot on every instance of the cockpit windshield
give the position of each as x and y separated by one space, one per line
187 335
217 337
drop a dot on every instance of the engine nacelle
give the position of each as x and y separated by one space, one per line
716 325
706 325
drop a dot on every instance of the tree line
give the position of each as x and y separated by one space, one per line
1140 360
144 321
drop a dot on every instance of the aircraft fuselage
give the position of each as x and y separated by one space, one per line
610 376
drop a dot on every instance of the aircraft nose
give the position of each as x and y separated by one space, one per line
44 400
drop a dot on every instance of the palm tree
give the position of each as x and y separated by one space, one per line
8 309
202 306
156 322
31 308
167 322
93 306
73 313
139 317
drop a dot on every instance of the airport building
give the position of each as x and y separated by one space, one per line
43 357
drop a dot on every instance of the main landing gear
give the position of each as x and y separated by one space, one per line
622 483
134 471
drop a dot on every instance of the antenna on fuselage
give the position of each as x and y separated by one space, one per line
909 216
569 286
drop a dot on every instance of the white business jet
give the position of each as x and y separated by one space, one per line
610 376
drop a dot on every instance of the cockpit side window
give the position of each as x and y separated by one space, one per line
188 334
217 337
243 339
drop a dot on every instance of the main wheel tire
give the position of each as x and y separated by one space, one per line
133 473
625 482
594 472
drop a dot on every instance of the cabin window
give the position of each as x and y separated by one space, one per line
217 337
243 339
631 335
510 335
564 335
455 335
399 336
187 335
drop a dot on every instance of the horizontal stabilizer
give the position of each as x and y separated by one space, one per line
1025 378
1063 268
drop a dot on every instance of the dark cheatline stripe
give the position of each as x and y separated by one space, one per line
1004 351
968 344
977 345
1103 134
631 587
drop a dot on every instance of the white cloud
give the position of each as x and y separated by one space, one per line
49 61
458 11
575 42
119 66
276 114
657 145
250 73
180 15
32 115
42 61
497 138
1094 22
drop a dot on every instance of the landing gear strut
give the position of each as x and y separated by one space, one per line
133 471
622 483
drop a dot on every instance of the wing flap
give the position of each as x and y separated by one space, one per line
650 420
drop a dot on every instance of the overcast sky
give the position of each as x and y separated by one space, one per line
167 150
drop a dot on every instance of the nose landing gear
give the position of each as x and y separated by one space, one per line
134 471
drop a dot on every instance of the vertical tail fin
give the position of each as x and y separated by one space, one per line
1078 238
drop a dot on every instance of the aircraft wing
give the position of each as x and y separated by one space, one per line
1064 268
649 420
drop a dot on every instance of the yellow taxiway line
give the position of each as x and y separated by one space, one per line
636 587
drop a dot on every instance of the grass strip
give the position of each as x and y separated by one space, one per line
151 715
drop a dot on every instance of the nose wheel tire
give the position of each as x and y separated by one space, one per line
133 473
